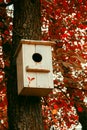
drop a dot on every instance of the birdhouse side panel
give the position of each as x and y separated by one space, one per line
20 78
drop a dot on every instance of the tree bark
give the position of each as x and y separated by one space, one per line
24 112
83 119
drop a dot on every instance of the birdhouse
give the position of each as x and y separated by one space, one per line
34 67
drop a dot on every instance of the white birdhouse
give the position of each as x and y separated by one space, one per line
34 67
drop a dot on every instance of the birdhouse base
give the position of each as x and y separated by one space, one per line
35 91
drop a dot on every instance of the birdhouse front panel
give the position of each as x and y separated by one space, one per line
37 73
46 61
44 80
28 50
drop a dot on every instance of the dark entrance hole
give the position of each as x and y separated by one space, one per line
37 57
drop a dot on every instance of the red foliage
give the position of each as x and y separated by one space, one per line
65 22
5 40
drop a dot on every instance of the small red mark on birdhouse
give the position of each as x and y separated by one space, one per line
30 79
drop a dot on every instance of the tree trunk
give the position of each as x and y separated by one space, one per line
24 112
83 119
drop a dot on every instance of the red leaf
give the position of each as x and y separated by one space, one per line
1 25
55 106
55 81
8 1
1 1
7 63
6 32
10 27
80 109
80 1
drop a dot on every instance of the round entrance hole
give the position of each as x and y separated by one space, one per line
37 57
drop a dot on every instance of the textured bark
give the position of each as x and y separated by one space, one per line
83 119
24 112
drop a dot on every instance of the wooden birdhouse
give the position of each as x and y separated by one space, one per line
34 67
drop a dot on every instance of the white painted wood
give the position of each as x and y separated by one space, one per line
37 83
45 51
28 50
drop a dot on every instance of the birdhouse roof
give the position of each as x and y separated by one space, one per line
34 42
37 42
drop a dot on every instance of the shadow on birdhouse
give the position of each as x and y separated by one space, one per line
34 67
